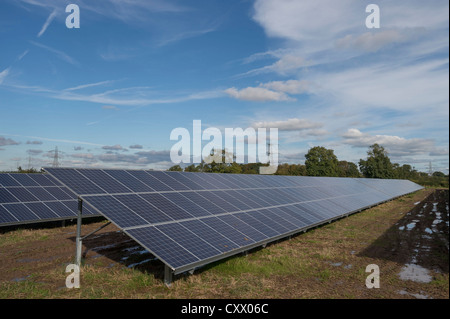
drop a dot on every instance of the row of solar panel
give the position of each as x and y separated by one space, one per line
28 198
19 179
34 194
185 242
131 210
212 215
109 181
21 213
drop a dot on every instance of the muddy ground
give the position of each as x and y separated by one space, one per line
407 238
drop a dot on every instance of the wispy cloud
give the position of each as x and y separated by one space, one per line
7 141
20 57
61 55
4 74
185 35
83 86
292 124
47 22
51 139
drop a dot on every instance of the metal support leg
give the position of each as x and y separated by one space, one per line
78 240
167 276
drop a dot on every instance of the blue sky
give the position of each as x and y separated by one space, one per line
109 93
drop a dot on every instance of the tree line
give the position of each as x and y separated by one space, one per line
320 161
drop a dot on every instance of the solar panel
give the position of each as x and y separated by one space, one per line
190 219
31 198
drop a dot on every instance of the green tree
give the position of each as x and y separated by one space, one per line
221 161
192 168
438 174
321 162
176 168
291 169
377 164
348 169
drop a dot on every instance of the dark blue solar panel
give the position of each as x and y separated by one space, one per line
222 182
7 180
230 198
284 219
42 180
60 209
41 210
241 195
5 216
206 204
257 224
209 180
108 183
187 180
162 246
20 212
143 208
41 193
244 228
256 200
187 204
210 235
75 181
150 181
129 181
166 206
279 225
7 197
191 242
24 179
115 211
169 181
199 179
228 231
301 216
266 195
60 193
22 194
215 197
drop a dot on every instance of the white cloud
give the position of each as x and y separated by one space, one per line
370 41
305 20
289 86
395 145
287 64
259 94
270 91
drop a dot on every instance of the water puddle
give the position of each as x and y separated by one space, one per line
141 262
415 273
417 296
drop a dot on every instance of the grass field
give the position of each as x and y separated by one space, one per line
409 233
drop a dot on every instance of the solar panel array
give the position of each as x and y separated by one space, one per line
31 198
191 219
